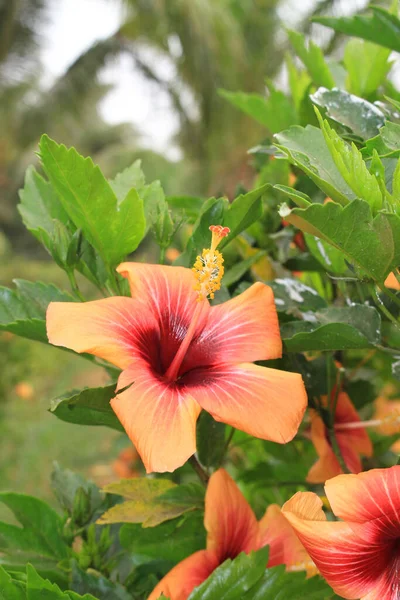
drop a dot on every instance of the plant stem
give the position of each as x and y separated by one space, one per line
203 476
391 295
161 259
336 450
74 285
382 307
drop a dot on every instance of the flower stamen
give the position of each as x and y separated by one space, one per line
388 425
208 268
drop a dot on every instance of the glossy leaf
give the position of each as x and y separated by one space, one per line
373 244
330 257
363 118
114 227
233 578
145 503
292 296
305 147
381 27
245 210
23 311
173 540
313 59
350 163
90 406
334 328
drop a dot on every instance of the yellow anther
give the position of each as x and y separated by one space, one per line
208 268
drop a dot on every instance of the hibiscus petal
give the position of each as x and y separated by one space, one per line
159 418
116 329
265 403
327 464
231 524
245 328
168 292
350 565
371 499
188 574
358 439
285 547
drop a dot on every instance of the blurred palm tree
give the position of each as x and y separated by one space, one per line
207 44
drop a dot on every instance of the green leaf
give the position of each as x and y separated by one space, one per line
387 143
234 578
292 296
373 244
187 494
363 118
102 588
238 216
299 82
245 210
173 540
277 584
67 485
330 257
236 272
357 326
10 589
113 227
313 59
23 311
40 207
367 66
42 589
90 406
189 205
131 177
39 540
145 502
276 112
381 27
306 149
210 438
352 167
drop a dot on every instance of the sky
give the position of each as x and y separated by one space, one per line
72 27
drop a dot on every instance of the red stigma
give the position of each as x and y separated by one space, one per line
219 230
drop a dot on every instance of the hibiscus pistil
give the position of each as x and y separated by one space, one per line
208 270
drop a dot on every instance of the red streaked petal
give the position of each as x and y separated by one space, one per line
188 574
370 499
245 328
263 402
168 292
231 524
117 329
357 439
285 547
352 443
350 565
159 418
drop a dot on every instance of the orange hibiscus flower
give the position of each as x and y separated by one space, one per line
179 355
232 528
359 556
352 442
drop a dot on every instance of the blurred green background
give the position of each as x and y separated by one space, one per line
120 80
